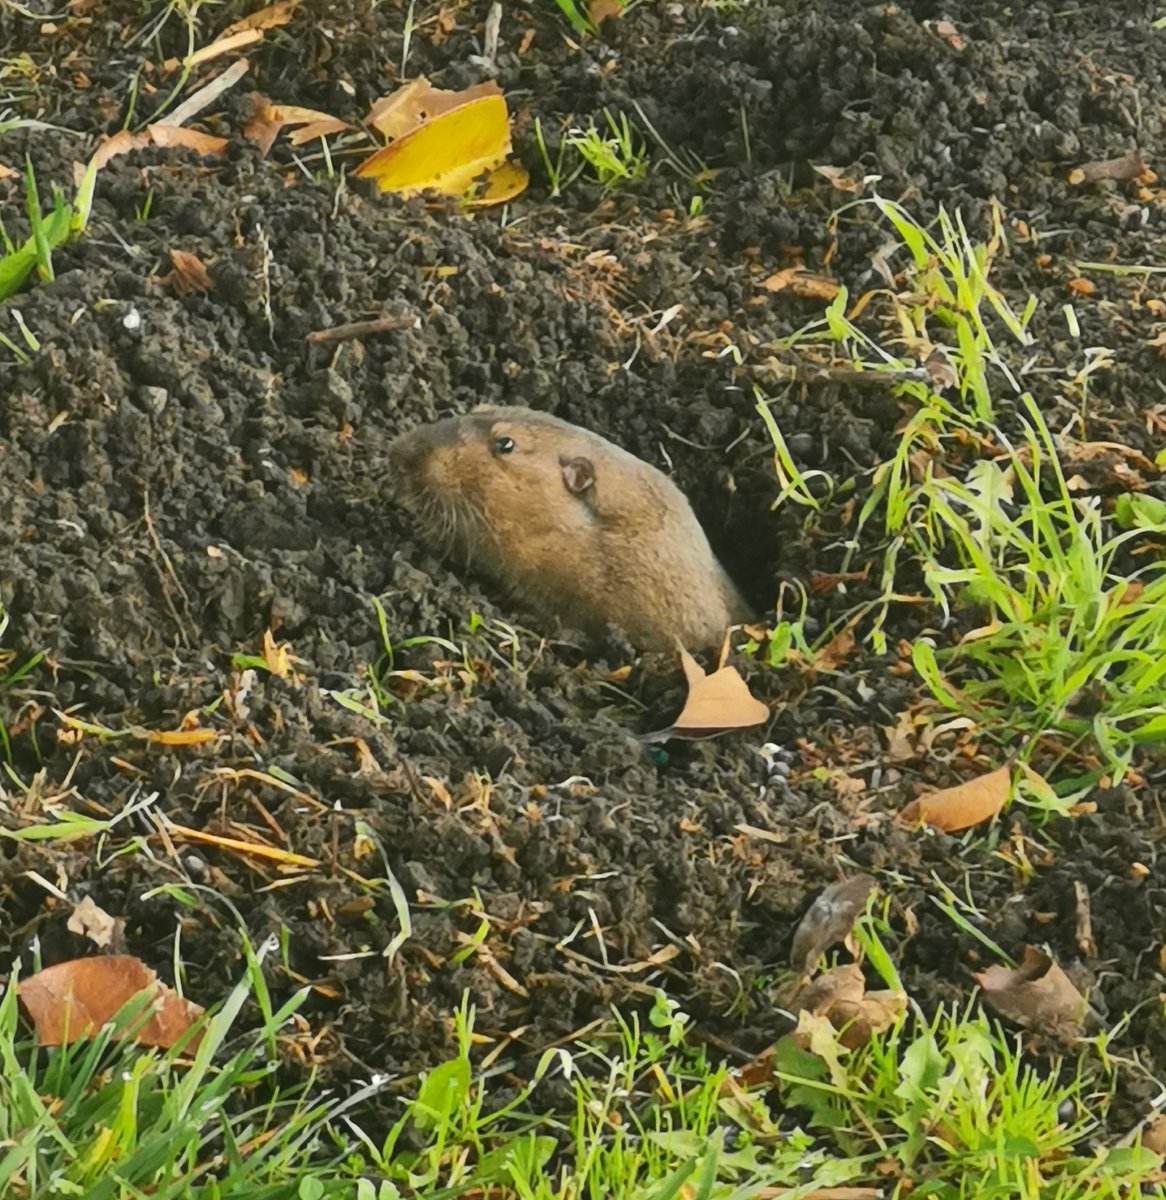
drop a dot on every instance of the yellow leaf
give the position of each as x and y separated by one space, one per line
181 737
276 656
445 154
502 184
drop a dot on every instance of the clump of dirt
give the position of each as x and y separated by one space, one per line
183 472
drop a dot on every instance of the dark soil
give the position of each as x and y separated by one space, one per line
181 473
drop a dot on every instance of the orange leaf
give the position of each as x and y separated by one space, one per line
190 139
780 280
75 999
271 17
600 10
955 808
123 142
716 703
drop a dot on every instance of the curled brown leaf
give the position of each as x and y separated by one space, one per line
967 804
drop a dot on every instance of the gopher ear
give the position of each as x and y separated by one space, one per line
578 474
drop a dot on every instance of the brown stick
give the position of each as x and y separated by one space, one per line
1129 166
342 333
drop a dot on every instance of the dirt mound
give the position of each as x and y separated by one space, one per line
182 473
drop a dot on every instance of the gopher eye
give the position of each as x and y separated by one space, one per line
503 444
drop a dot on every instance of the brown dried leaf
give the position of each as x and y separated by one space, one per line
810 286
902 737
841 997
1154 1134
835 652
189 275
122 142
7 172
88 920
967 804
1129 592
1037 995
844 984
1112 454
600 10
189 139
75 999
824 582
780 280
830 919
716 703
839 179
939 368
271 17
693 671
417 102
758 1070
267 119
324 127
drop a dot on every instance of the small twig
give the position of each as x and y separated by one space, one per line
849 376
160 550
1129 166
342 333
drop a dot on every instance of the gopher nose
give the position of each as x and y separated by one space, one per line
410 454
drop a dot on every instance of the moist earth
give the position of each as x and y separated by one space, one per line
181 472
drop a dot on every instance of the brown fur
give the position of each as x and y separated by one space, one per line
570 523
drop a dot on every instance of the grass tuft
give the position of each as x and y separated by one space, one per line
617 154
105 1120
47 232
1052 604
